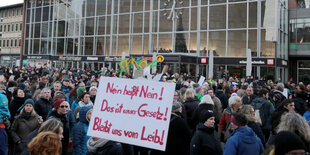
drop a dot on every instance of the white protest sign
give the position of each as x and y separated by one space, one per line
285 92
132 111
201 80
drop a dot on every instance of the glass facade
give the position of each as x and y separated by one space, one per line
141 27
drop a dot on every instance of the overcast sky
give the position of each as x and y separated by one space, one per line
9 2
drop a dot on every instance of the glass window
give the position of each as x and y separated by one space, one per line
89 45
252 42
101 7
267 47
123 45
218 17
100 46
69 46
4 29
165 43
16 27
0 28
137 45
124 24
217 1
137 5
71 27
137 27
46 2
45 13
38 15
217 42
90 8
101 25
36 46
204 18
37 30
181 43
28 16
165 24
237 47
44 33
9 28
61 28
90 26
60 46
253 14
237 17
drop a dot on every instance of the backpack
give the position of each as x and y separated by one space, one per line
259 112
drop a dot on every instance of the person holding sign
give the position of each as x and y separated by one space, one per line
206 140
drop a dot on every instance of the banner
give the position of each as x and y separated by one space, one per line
132 111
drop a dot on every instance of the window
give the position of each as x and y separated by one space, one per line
4 29
20 27
16 27
9 28
0 28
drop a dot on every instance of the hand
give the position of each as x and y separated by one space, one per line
40 120
7 123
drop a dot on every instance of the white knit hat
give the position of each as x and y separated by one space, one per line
206 100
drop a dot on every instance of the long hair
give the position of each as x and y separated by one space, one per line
246 110
33 112
52 125
189 93
293 122
45 143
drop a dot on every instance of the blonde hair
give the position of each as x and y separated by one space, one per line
33 112
45 143
246 110
189 93
293 122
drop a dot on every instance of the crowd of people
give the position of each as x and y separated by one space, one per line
47 111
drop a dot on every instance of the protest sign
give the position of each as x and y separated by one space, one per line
201 80
132 111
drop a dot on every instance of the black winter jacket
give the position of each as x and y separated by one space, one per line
43 106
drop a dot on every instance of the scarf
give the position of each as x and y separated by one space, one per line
93 145
82 104
26 116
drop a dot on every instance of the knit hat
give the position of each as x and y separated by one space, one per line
286 141
205 115
80 91
28 101
175 107
235 121
57 102
93 87
21 85
206 100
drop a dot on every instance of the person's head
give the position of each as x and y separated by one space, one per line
46 93
234 102
94 84
176 96
57 86
199 91
60 94
206 100
249 91
19 92
53 125
238 120
280 87
176 107
93 91
27 107
61 106
189 93
248 111
41 85
288 104
207 117
44 79
211 92
84 97
293 122
45 143
288 143
82 85
263 93
80 91
66 82
85 114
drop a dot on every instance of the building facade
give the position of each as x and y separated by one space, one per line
11 19
299 40
95 33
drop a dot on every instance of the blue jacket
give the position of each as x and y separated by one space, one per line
80 137
268 110
307 115
4 109
243 141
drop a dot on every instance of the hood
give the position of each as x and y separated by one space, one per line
246 135
258 102
93 145
83 114
204 128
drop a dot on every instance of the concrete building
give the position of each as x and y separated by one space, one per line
95 33
11 19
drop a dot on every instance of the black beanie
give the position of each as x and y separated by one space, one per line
205 115
286 141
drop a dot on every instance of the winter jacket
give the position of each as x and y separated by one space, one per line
258 131
190 106
4 109
243 141
20 129
276 119
307 115
179 137
268 110
223 98
43 106
300 105
14 107
68 125
104 147
226 117
248 99
80 137
217 108
205 141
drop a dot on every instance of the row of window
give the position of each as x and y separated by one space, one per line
12 27
12 12
10 43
